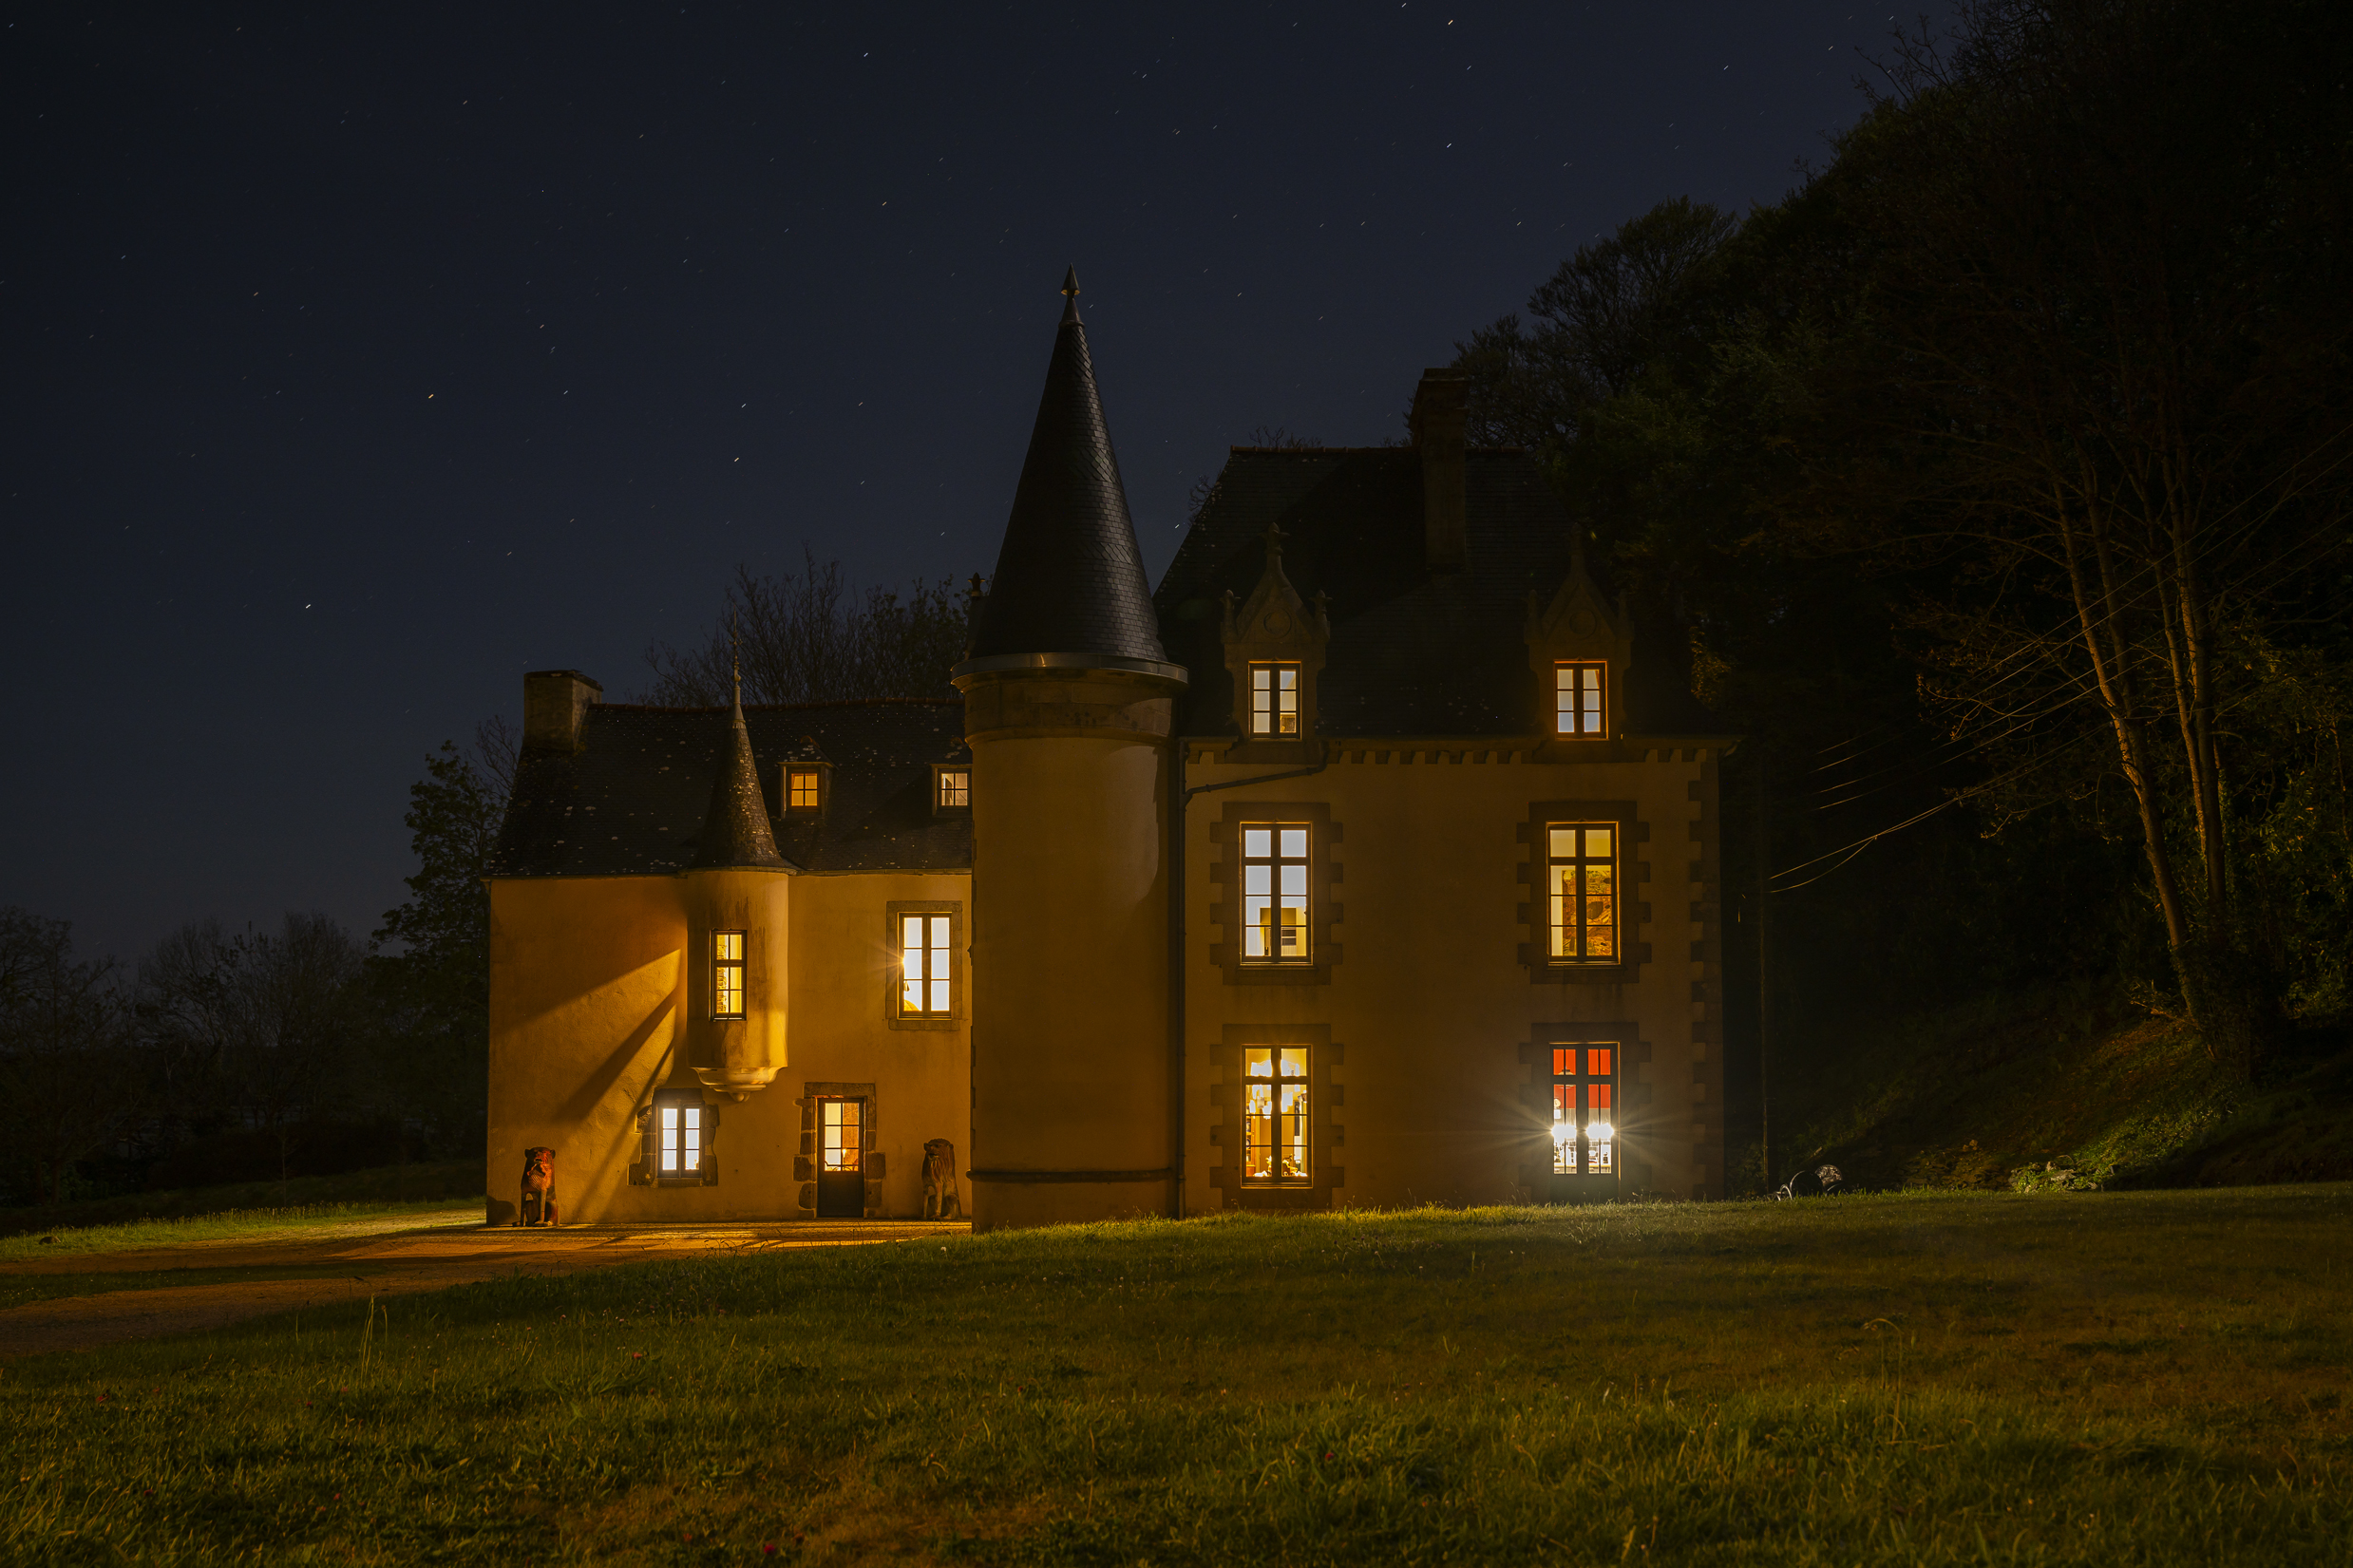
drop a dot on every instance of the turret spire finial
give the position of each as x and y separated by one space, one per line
1070 296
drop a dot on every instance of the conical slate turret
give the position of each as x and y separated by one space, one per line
735 830
1070 587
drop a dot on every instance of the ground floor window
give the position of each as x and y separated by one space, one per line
679 1139
1584 1082
1274 1115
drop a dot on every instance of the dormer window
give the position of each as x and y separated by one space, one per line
805 788
953 789
1578 699
1273 699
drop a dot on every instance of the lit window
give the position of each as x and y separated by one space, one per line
726 974
955 789
1274 893
1581 881
925 955
1273 699
1584 1139
843 1146
801 789
681 1139
1274 1114
1577 698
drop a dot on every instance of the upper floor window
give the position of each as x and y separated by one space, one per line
927 965
1581 887
1274 1114
1578 692
1274 893
726 974
1273 699
1584 1083
803 789
955 789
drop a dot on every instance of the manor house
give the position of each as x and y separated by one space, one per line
1371 860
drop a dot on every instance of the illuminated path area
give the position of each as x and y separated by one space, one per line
396 1257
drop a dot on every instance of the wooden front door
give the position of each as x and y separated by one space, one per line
840 1158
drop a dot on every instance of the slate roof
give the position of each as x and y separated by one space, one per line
735 824
1413 651
1069 576
634 800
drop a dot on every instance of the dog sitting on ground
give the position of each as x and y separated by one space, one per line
538 1188
940 1196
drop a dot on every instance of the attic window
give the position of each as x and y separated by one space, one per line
954 789
1273 699
803 789
1577 699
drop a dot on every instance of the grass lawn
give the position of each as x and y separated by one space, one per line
18 1290
230 1225
428 1186
2112 1378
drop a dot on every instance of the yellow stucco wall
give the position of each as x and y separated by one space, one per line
1429 1002
593 980
1070 963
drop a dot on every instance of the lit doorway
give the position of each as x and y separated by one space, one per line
840 1158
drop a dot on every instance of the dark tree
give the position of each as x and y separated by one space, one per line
70 1079
432 972
805 638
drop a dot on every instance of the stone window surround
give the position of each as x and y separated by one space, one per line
1634 870
1324 874
1324 1136
804 1163
650 1140
958 964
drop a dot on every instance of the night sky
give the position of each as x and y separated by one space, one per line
359 359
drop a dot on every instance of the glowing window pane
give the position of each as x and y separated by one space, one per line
801 791
840 1144
1274 894
1580 904
926 977
955 787
1583 1134
1275 1137
1577 699
1273 699
726 974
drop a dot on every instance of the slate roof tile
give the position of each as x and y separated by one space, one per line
634 800
1413 651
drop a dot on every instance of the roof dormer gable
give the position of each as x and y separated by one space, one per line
1274 650
1579 647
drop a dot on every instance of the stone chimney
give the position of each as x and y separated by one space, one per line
1440 406
554 702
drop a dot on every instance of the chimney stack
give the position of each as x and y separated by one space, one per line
554 702
1441 404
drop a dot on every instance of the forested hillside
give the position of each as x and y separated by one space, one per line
1994 484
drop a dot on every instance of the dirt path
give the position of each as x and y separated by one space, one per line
379 1264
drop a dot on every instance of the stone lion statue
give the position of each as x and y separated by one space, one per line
940 1196
538 1188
